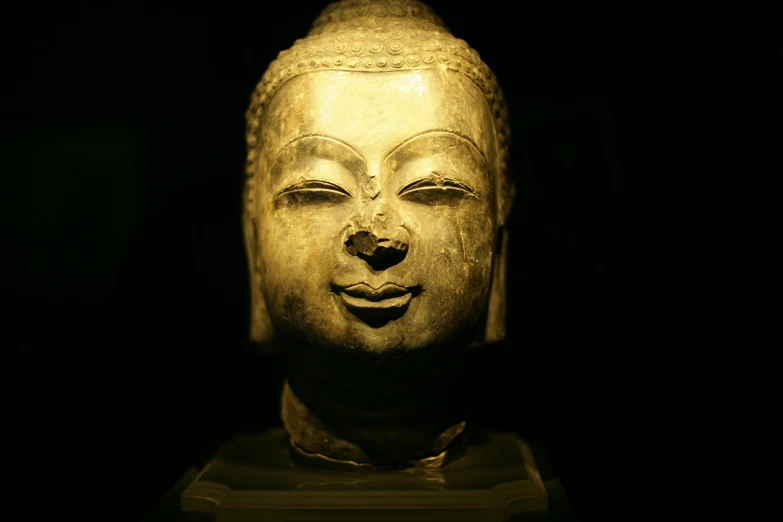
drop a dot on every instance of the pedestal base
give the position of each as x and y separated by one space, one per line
253 478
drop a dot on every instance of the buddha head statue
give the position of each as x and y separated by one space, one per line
376 194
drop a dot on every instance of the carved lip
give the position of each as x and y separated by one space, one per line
376 306
386 291
391 302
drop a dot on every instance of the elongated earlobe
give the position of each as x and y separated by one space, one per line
496 313
262 330
495 325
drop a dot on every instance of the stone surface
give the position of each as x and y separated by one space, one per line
376 196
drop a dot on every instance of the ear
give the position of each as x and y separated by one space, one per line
262 331
494 329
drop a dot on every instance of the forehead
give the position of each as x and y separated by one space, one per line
375 112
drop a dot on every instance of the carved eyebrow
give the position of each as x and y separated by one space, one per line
339 143
454 134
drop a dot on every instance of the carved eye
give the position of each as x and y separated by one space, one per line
436 188
313 191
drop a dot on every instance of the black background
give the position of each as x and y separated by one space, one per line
124 159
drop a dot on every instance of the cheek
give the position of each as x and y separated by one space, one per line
454 263
298 249
455 243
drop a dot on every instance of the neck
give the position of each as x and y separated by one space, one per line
378 409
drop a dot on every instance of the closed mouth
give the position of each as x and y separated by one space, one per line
377 306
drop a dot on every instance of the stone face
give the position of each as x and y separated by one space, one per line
374 219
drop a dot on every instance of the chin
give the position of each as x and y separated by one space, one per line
407 335
393 336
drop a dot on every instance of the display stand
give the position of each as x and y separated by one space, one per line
253 478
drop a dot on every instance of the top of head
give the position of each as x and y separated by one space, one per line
379 36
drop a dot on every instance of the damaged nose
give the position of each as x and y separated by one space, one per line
379 251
